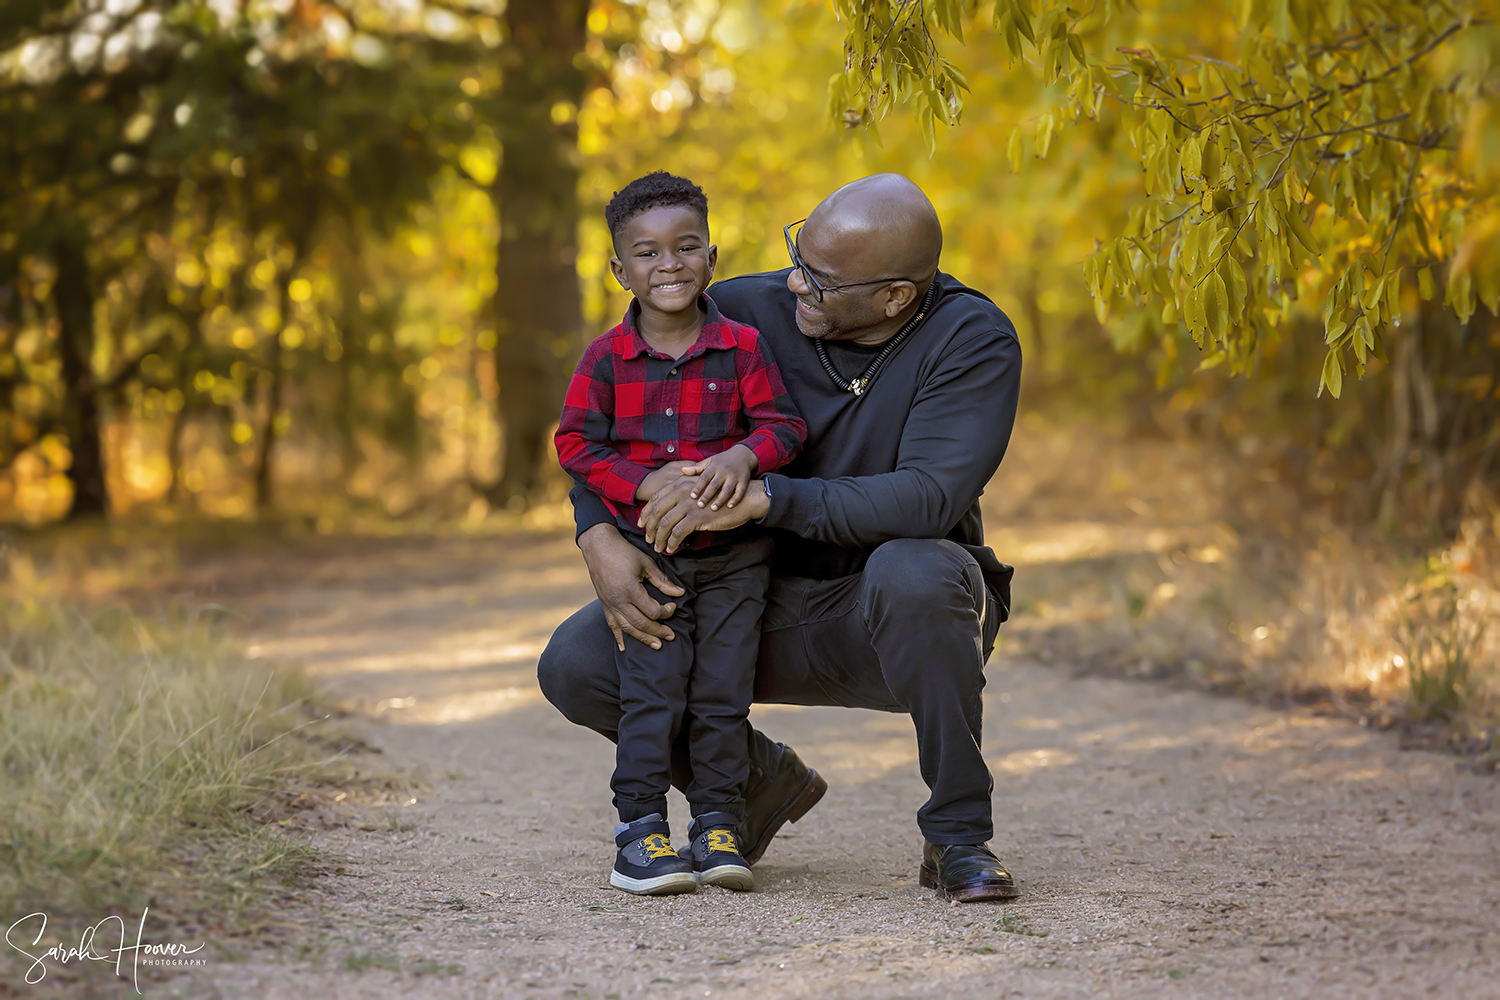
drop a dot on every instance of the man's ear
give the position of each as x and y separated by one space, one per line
899 295
617 267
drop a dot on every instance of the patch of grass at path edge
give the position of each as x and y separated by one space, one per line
140 759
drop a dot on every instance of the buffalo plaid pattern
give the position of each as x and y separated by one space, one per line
630 410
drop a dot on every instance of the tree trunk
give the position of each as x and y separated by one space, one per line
176 489
265 447
189 360
74 295
538 312
1393 469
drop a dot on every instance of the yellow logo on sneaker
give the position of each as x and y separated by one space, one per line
656 846
722 840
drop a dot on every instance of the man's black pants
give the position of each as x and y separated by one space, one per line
697 687
909 634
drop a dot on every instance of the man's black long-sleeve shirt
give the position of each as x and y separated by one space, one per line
907 458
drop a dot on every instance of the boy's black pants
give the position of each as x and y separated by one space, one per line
707 672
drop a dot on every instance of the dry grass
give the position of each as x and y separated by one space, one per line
139 755
1161 559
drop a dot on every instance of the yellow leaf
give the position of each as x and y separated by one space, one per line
1013 150
1044 135
1425 287
1300 230
1211 162
1192 156
1243 136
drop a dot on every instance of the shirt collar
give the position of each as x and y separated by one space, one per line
717 333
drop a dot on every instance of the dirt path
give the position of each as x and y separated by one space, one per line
1168 842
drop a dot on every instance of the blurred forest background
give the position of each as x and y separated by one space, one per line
329 262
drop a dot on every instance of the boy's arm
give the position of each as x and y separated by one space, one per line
583 447
776 428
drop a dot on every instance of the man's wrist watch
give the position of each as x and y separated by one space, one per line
765 484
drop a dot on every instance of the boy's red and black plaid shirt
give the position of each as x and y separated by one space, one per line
630 410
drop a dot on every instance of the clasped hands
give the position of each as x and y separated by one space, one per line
679 499
714 494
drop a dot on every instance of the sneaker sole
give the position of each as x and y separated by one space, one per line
736 877
795 808
975 892
661 885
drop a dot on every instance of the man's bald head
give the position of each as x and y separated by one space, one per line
881 225
874 246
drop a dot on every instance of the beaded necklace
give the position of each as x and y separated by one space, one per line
859 385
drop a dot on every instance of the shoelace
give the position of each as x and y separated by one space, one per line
721 840
656 846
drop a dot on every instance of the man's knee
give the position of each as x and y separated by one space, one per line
922 577
577 663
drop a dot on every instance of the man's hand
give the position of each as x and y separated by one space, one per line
673 513
722 478
617 568
658 478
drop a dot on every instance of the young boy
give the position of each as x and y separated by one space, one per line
676 389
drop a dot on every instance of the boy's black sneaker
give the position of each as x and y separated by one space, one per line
714 841
645 863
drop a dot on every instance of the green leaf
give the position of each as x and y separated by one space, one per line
1216 307
1014 150
935 102
1023 20
1333 375
1364 338
1369 297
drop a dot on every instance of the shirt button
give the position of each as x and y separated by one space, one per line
671 448
669 411
672 372
712 386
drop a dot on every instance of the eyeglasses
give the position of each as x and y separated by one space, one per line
818 288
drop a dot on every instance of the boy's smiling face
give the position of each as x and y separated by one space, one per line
664 258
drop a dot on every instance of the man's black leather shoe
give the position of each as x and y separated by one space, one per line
783 796
969 873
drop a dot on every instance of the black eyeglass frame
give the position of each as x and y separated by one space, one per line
819 289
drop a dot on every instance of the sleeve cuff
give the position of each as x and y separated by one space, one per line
620 485
588 509
792 503
768 453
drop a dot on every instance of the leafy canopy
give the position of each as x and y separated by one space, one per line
1297 156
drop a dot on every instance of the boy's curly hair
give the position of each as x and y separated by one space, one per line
656 190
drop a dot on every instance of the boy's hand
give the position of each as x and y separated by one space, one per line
658 478
723 478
